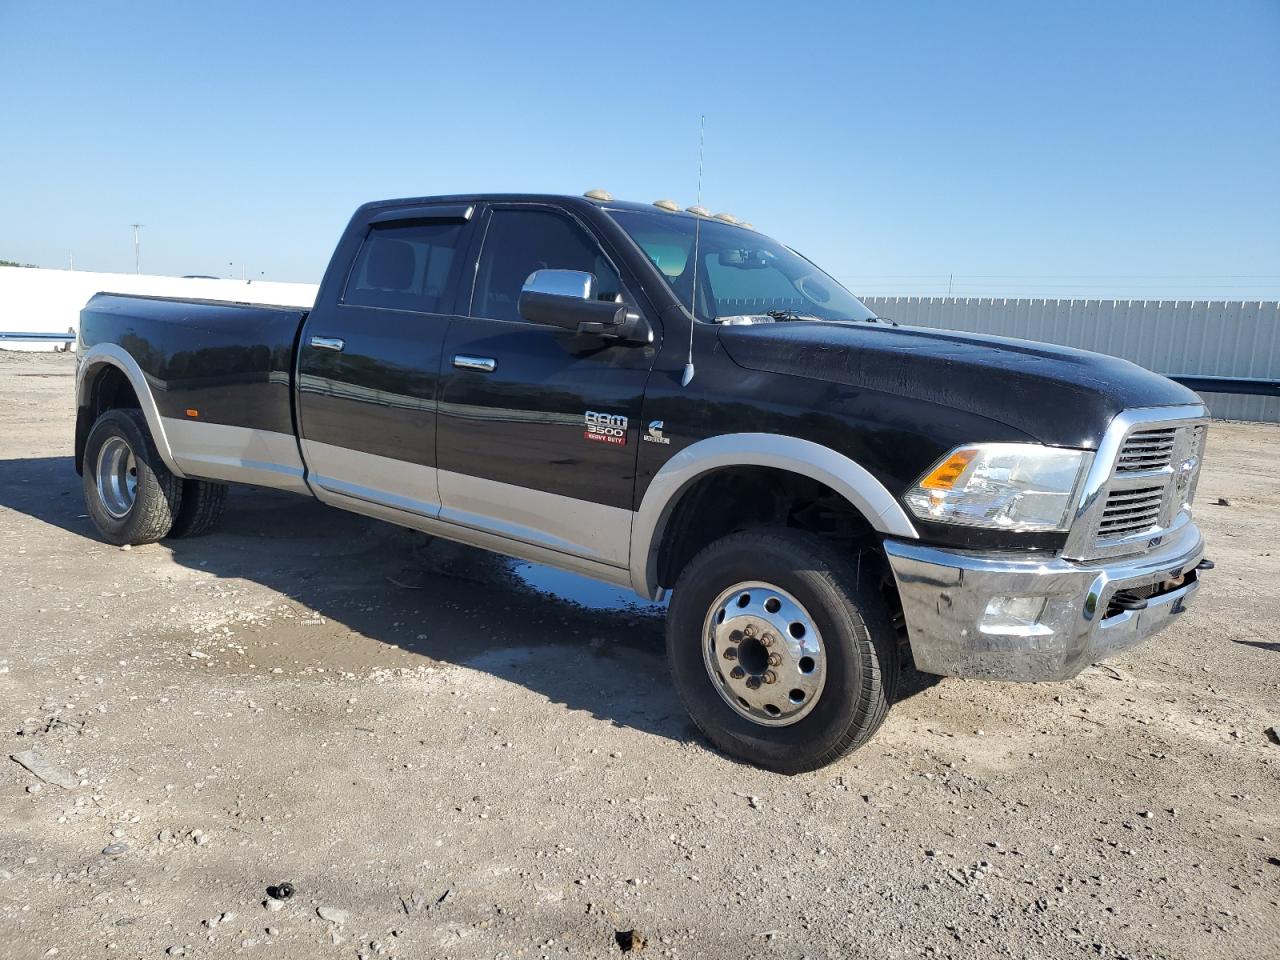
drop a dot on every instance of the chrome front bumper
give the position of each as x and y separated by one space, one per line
945 596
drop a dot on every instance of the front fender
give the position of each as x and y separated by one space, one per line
843 475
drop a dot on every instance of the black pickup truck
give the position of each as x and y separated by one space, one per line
672 401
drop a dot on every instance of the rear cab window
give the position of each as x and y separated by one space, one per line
405 266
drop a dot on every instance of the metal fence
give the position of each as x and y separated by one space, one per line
1192 338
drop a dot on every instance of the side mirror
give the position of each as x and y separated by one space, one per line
567 299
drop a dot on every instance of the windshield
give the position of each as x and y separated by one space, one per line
740 272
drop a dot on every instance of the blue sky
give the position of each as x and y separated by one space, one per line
1073 149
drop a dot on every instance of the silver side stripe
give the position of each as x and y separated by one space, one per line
485 540
367 476
566 524
610 543
216 451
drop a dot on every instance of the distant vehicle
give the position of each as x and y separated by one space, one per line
199 276
672 401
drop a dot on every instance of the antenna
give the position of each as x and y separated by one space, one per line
687 377
137 247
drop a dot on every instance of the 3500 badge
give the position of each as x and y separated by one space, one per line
606 428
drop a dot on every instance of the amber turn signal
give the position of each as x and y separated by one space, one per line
945 474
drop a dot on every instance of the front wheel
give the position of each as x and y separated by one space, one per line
130 494
783 655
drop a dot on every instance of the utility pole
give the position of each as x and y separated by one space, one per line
137 247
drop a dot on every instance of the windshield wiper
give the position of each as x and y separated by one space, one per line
788 314
892 323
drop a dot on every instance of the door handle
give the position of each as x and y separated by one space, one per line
328 343
483 364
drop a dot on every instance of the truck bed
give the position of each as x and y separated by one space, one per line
220 375
230 362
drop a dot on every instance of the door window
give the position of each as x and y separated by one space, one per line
404 266
519 242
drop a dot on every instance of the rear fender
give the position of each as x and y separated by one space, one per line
89 366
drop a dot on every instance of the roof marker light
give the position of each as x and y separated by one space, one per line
698 211
669 205
598 194
726 217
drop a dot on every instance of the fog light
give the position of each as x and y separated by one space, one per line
1015 615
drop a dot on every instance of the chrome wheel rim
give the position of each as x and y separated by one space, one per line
764 654
117 475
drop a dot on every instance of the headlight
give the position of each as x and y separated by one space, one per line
1005 486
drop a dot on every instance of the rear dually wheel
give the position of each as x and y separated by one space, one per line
203 504
130 494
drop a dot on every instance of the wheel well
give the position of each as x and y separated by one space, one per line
739 498
109 389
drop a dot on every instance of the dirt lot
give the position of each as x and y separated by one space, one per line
453 764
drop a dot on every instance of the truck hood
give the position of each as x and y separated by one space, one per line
1057 395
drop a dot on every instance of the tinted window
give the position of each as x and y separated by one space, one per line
741 272
404 266
519 242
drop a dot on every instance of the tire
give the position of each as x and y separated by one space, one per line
203 504
852 671
140 505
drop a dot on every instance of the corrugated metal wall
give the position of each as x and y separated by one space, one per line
1210 338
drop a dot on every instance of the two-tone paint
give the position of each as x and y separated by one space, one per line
473 428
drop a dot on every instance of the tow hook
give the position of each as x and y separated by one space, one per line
1128 601
1125 600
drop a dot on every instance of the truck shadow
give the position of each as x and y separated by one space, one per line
582 644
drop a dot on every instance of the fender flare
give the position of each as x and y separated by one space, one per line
92 360
804 457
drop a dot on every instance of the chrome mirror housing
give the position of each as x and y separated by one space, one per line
577 284
567 299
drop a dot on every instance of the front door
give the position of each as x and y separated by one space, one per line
538 425
369 365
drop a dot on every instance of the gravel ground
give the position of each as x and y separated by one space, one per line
445 761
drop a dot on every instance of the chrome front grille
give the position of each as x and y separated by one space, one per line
1130 511
1147 450
1153 481
1139 489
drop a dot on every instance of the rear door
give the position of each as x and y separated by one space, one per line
369 361
538 425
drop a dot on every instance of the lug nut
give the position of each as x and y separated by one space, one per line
737 673
770 677
753 683
749 630
767 639
774 660
731 653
